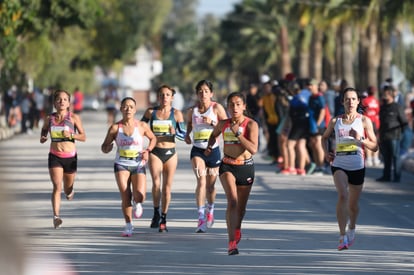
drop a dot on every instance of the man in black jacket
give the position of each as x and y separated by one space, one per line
393 122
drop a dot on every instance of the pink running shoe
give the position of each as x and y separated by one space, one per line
210 220
233 248
202 226
237 235
343 243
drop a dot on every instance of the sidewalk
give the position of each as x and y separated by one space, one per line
5 132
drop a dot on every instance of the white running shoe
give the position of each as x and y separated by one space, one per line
128 231
137 210
351 236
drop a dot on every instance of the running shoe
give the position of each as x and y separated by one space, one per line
202 226
288 171
310 168
237 235
71 195
233 248
300 172
155 222
210 220
163 228
318 171
351 236
57 222
343 243
137 210
128 231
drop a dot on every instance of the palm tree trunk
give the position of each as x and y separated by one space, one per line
372 55
286 66
317 66
386 53
347 54
304 52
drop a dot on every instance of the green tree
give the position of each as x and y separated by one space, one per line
37 23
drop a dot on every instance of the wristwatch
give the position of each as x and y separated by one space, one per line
238 133
361 138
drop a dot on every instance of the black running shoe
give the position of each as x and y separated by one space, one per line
155 223
163 228
234 251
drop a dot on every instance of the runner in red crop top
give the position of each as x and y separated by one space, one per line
64 128
240 135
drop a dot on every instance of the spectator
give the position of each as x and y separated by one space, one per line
317 118
271 120
329 95
27 106
283 128
254 104
299 132
77 101
371 109
112 103
393 122
38 98
10 104
340 85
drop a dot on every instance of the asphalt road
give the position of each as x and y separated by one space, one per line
289 228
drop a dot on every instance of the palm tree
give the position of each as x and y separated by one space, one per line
257 32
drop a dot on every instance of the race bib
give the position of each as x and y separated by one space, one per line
56 132
161 127
128 153
230 138
346 149
203 135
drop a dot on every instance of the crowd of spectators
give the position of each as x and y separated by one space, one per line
294 112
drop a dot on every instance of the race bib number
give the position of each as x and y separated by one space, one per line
346 149
56 132
161 127
229 137
128 153
203 135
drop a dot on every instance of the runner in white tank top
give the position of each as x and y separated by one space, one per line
129 166
201 120
353 132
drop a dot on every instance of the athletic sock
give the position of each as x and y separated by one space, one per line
163 217
201 212
210 208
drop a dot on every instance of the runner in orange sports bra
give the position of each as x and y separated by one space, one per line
241 138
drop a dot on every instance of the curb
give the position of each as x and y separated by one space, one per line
6 133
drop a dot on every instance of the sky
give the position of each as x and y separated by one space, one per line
216 7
